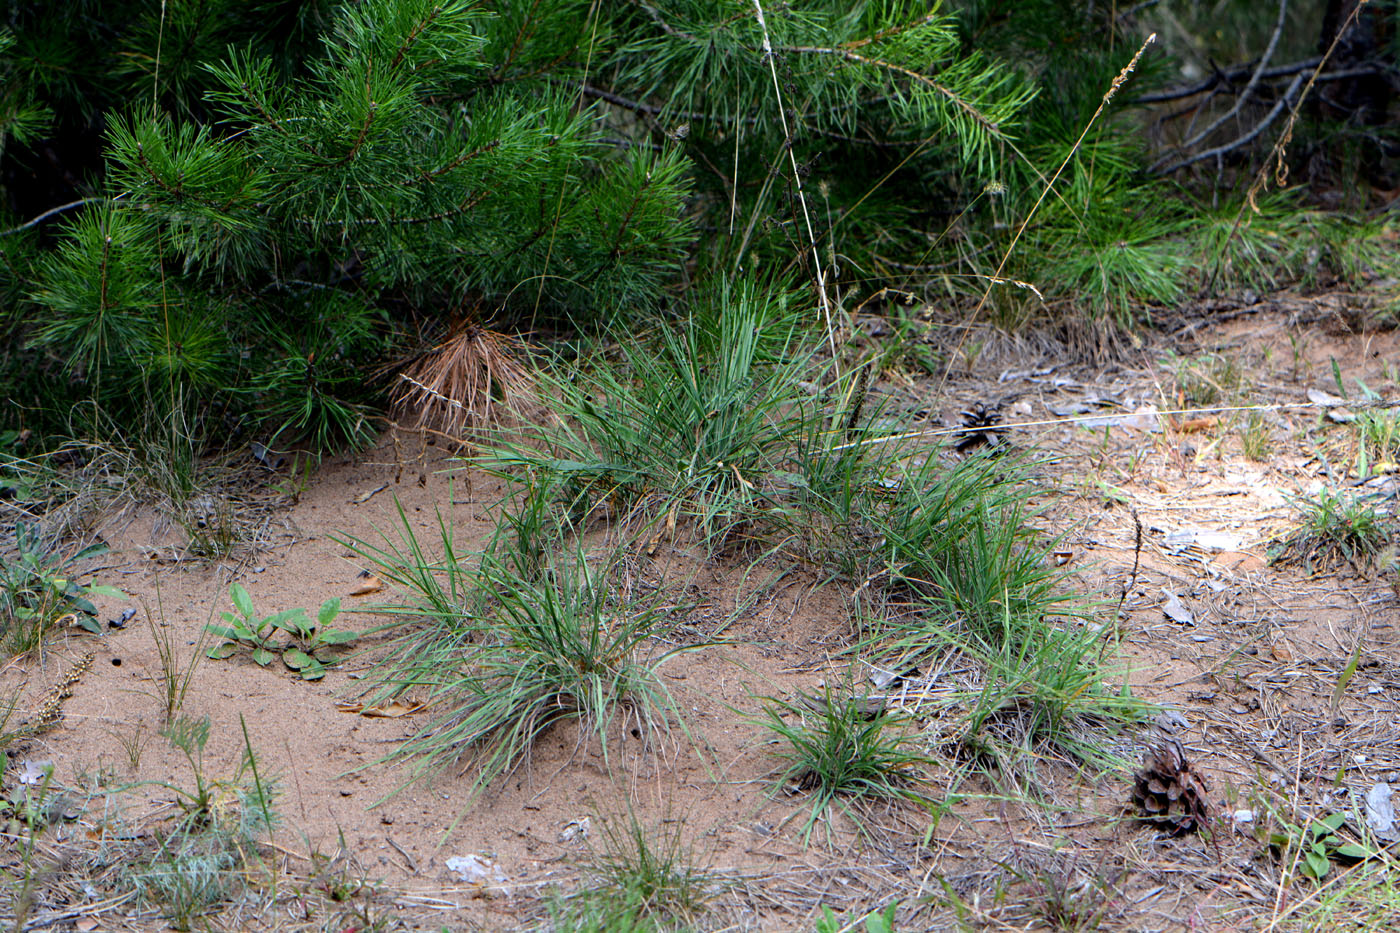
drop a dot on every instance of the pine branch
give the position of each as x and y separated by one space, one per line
34 222
371 110
151 173
978 116
461 160
890 33
661 23
412 38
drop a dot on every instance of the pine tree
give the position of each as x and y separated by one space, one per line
252 254
239 209
283 188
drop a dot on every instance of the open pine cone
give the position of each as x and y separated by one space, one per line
979 424
1169 793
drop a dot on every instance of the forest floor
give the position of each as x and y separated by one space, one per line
1280 682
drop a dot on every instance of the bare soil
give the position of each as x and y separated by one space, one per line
1247 684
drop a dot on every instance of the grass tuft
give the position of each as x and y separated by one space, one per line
203 858
1256 437
845 751
38 594
1334 528
645 879
692 424
1379 436
507 649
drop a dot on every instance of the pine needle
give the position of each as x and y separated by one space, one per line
456 385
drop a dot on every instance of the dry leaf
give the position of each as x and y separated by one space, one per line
391 710
475 869
370 584
1380 812
576 830
1318 397
1176 610
669 529
1206 540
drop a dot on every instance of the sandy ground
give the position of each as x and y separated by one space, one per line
1249 682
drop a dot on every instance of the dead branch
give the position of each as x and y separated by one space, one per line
1243 139
1243 97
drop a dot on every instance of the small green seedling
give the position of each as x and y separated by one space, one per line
246 631
1320 844
879 921
1334 527
29 807
36 592
312 642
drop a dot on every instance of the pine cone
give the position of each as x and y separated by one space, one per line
978 422
1169 793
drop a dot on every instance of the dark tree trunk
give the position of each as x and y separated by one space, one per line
1364 99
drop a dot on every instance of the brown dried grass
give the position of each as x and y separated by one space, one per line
457 385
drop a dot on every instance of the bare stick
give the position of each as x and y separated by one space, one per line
1227 76
155 77
1131 581
1242 140
49 213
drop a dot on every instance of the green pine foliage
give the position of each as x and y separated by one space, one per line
249 258
282 187
853 99
22 118
257 203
